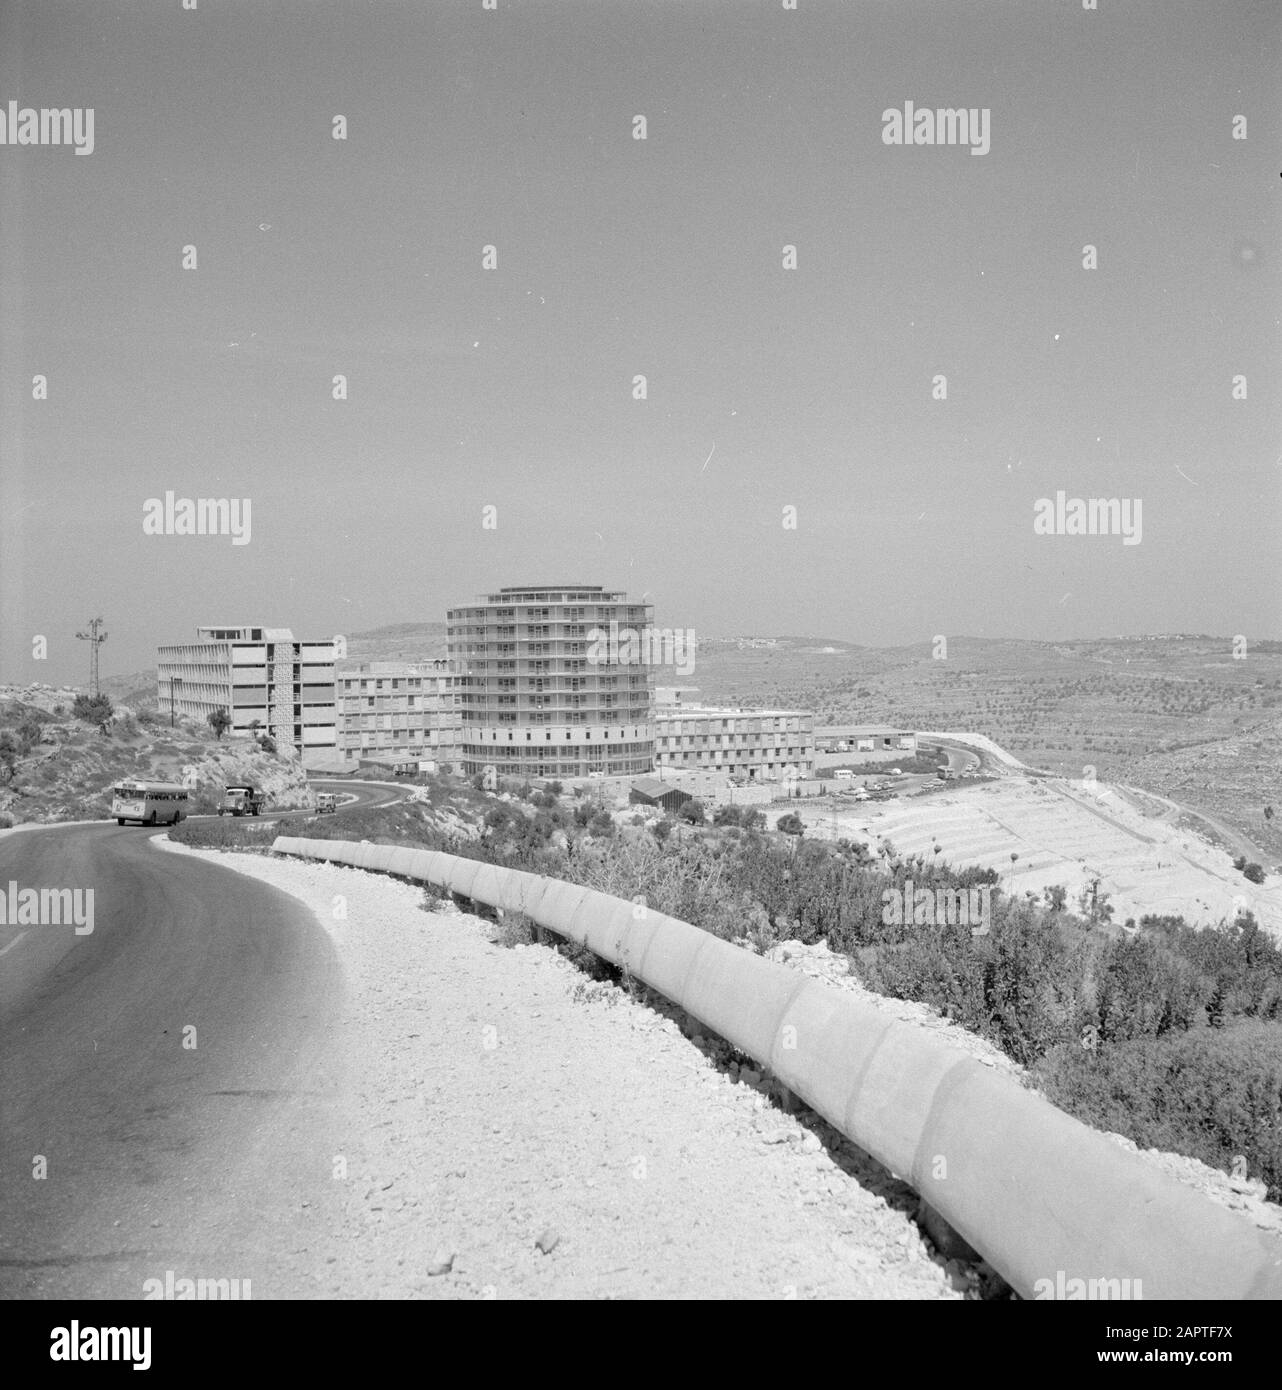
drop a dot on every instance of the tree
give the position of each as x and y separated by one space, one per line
1254 873
661 829
1056 897
791 824
93 709
219 722
8 754
692 812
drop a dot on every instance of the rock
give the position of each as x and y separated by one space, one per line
811 1143
946 1240
548 1240
441 1263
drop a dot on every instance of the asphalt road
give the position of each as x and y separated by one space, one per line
175 1069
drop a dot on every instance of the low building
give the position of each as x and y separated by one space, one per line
404 714
755 744
649 791
263 678
867 742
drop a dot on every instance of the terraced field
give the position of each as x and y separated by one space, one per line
1064 833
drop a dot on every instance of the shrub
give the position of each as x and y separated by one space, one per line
92 709
514 929
692 812
791 824
661 829
1209 1094
1253 872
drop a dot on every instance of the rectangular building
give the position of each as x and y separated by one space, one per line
399 712
549 685
263 678
757 744
882 741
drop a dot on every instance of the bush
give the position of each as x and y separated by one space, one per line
791 824
726 815
661 829
1254 873
231 833
514 929
1212 1095
692 812
95 709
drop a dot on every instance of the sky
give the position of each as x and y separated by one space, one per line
792 467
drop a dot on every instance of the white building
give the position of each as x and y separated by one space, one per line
264 679
756 744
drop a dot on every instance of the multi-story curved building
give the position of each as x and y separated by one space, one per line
550 684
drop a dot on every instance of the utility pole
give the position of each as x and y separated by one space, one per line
95 640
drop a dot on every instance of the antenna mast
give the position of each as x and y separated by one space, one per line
95 640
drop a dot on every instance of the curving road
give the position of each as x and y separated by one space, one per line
159 1155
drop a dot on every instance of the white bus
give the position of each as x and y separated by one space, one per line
149 803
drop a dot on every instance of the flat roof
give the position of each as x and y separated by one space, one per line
723 712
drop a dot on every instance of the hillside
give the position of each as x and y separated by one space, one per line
65 768
1175 715
397 642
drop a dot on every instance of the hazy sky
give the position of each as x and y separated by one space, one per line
767 388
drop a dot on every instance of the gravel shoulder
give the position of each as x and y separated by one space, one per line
513 1129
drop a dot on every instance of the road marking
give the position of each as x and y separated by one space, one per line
14 942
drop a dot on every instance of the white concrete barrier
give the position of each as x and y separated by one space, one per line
1044 1198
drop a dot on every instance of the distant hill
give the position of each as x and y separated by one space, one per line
396 642
1179 715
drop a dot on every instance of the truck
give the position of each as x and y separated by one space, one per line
241 800
326 803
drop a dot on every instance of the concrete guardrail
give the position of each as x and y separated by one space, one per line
1044 1198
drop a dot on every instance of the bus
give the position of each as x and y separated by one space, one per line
149 803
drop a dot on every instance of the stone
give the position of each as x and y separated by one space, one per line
441 1263
548 1240
946 1240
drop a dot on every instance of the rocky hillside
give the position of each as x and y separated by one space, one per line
64 768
